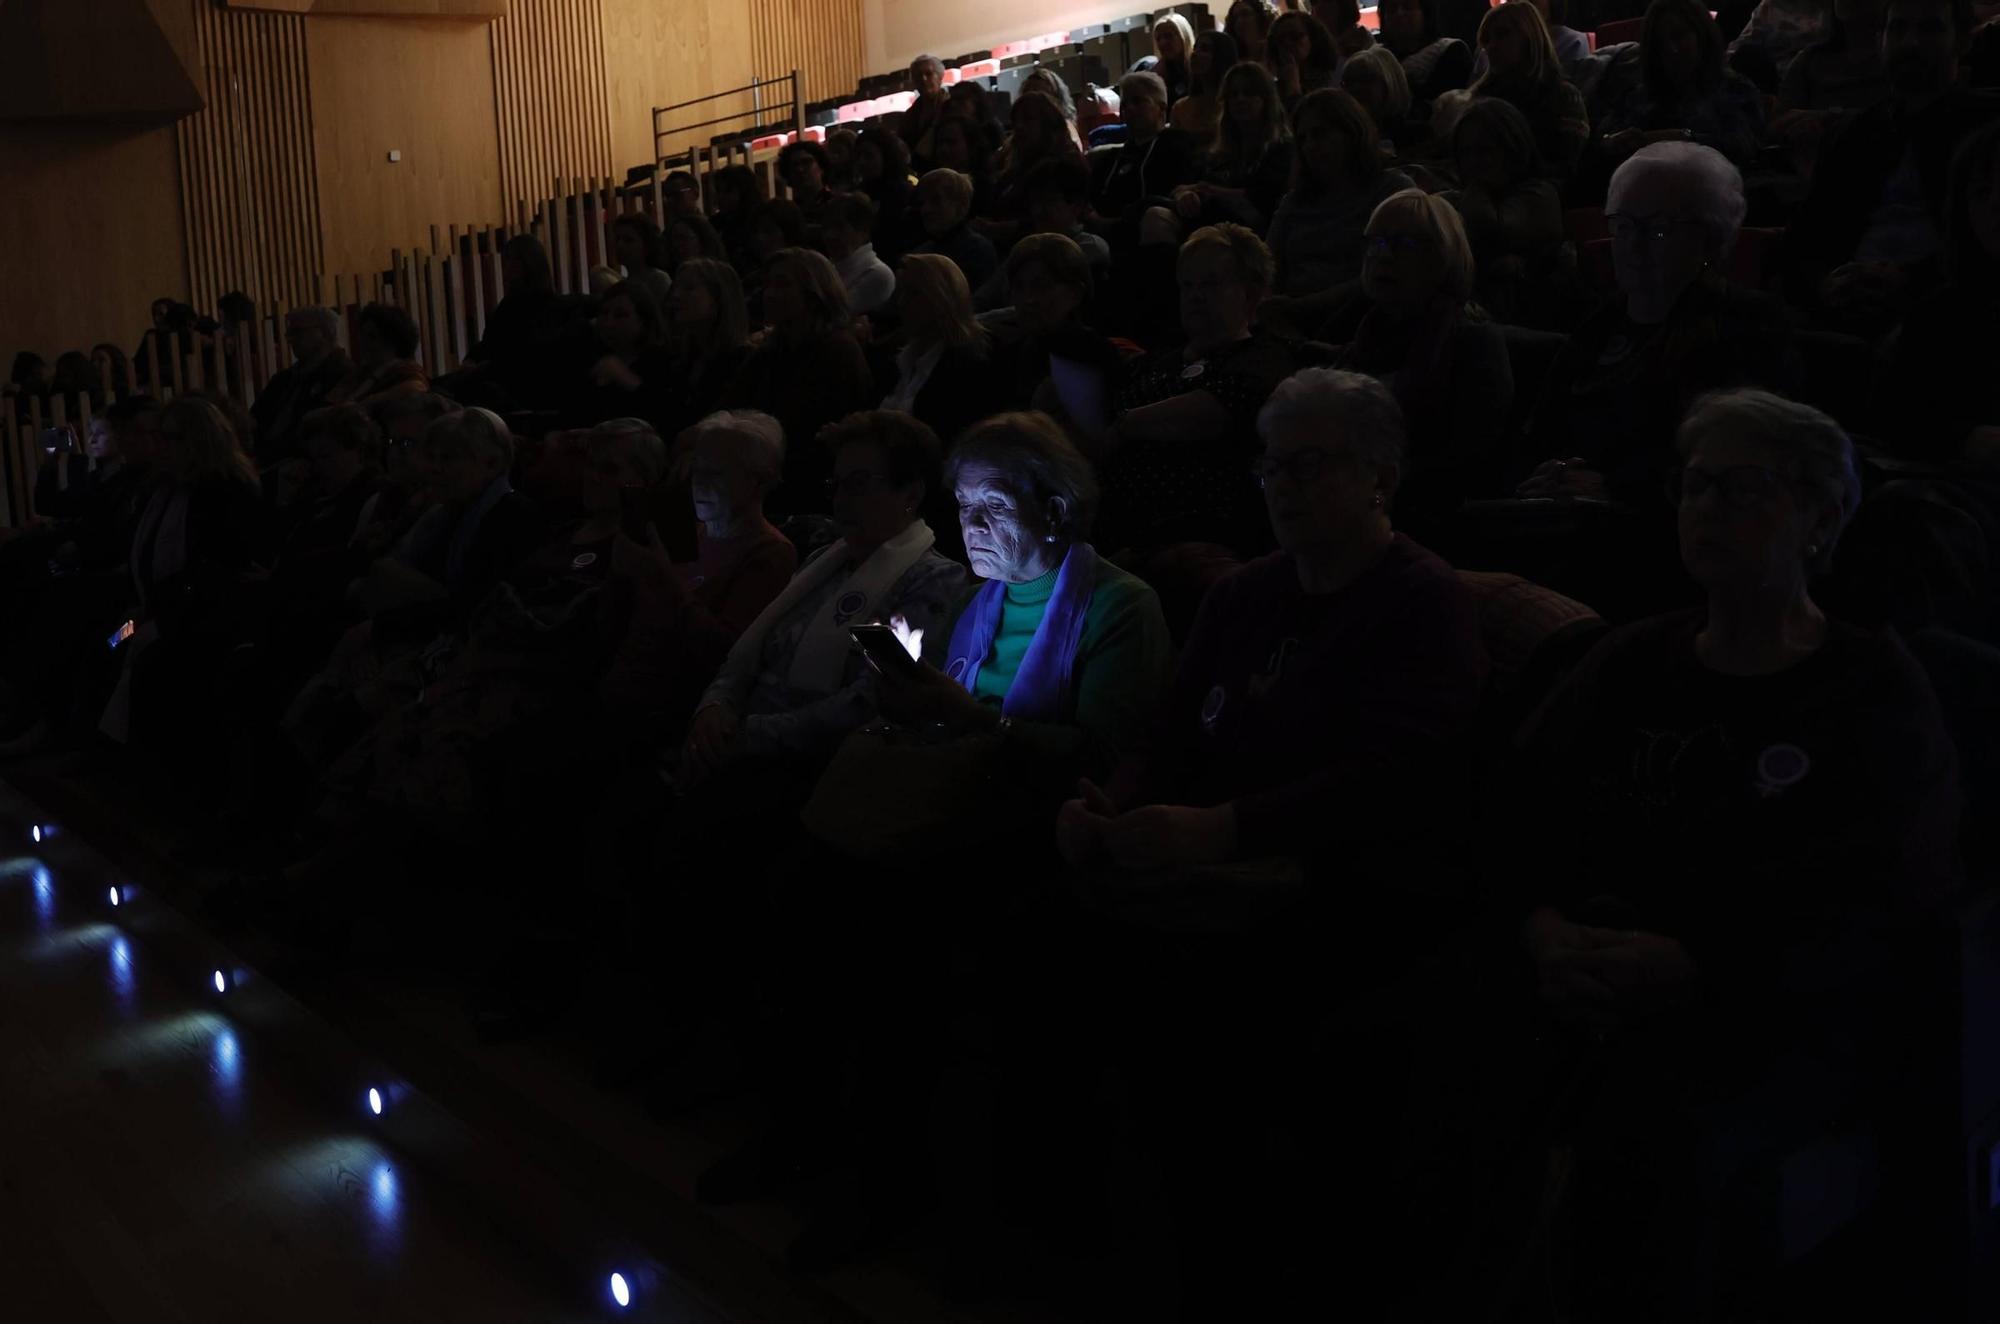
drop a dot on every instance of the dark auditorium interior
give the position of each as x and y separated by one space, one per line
907 661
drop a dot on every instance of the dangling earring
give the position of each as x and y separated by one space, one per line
1377 501
1812 551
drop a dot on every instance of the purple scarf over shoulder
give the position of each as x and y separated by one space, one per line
1041 688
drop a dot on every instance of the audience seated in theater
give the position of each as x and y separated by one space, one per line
1037 135
1939 398
943 373
1798 799
90 499
74 477
1777 32
510 366
404 493
708 336
1146 166
318 366
1838 74
474 534
1375 78
1569 44
1047 354
1338 180
318 552
1046 82
839 145
690 237
806 371
971 103
882 171
29 378
199 535
1523 69
1446 364
971 150
805 166
685 617
1301 56
681 194
1513 218
108 363
1248 24
1684 93
776 225
385 347
1173 50
1200 110
1247 168
738 190
1433 63
1175 463
1866 242
846 236
920 121
1676 329
642 253
1058 199
629 365
944 205
794 686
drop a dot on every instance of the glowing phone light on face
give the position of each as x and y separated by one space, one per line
621 1291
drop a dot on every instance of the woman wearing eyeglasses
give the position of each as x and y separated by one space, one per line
1676 328
1758 804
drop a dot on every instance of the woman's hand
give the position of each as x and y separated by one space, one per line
613 371
708 742
1080 824
1598 977
1187 202
1159 835
1573 478
924 695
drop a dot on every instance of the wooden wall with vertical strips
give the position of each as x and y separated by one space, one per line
550 99
250 198
823 39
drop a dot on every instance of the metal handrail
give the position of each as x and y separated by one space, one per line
702 160
751 86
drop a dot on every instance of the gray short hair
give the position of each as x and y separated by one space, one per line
1146 82
922 60
1811 445
481 431
760 440
1703 176
327 320
1037 460
1356 406
647 447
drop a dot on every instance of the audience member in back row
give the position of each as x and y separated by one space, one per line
641 249
944 204
1685 93
318 366
1197 112
1248 166
1173 50
1523 69
794 685
882 172
1038 133
1058 200
1680 328
690 237
1433 63
480 527
1248 24
510 364
385 347
1513 218
1841 72
1338 180
1049 356
943 372
805 167
629 368
921 119
1148 164
1866 240
847 239
1301 56
1443 360
708 335
807 371
1176 461
1798 797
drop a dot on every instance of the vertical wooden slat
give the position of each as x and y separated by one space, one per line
561 250
576 198
482 250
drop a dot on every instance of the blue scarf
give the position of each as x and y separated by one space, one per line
1041 688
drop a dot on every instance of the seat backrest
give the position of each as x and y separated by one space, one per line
1620 30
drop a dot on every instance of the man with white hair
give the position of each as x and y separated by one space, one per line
918 125
318 365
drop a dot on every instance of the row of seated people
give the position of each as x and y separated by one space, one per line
1086 846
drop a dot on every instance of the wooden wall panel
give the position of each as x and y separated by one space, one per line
423 89
551 104
89 236
659 54
822 39
249 196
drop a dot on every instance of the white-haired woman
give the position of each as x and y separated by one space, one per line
1446 363
1752 805
1676 328
1173 52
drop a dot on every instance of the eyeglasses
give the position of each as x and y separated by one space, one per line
1302 466
858 481
1742 487
1382 245
1652 229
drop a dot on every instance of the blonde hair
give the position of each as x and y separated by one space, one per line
819 284
1182 27
935 283
206 446
1544 68
732 319
1437 218
1254 264
951 185
1380 63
